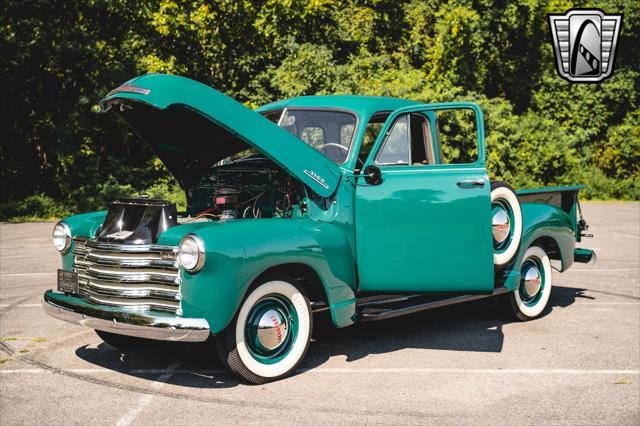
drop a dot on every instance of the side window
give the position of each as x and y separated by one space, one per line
313 136
457 136
370 134
408 143
396 148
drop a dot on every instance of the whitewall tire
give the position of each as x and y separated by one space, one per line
530 299
270 334
506 221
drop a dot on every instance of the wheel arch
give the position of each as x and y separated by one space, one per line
551 247
545 226
304 274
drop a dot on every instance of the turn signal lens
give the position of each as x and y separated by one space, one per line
191 253
61 237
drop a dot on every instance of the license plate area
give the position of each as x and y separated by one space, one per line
67 281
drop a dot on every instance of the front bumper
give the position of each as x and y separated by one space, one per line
147 324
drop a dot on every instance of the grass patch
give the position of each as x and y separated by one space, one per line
3 360
39 340
24 351
8 339
623 382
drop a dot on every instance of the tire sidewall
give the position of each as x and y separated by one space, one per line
504 193
522 310
240 358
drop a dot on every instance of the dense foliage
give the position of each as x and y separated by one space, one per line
60 57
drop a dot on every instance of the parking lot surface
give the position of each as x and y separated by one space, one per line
579 364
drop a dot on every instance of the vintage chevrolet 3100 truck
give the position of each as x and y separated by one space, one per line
364 207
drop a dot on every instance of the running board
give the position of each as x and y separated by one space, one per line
403 305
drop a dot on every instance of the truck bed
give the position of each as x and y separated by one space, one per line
562 197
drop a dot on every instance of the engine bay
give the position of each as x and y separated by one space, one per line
248 188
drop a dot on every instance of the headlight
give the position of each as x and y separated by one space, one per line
191 253
61 237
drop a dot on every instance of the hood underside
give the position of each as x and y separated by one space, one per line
191 126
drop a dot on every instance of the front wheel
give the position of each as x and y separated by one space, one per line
270 334
532 296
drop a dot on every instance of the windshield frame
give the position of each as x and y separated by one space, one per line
356 125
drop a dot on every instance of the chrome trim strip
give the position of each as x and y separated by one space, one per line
145 325
82 273
130 248
130 303
132 293
131 262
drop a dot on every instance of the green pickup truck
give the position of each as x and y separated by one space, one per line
364 208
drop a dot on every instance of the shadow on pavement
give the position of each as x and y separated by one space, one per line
473 327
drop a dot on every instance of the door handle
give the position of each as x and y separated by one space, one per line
471 183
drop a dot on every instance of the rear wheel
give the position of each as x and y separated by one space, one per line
506 223
121 342
531 297
270 334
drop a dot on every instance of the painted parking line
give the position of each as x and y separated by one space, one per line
490 371
29 274
145 399
602 269
329 370
104 370
23 305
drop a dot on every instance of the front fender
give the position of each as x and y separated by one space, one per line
81 225
237 252
540 221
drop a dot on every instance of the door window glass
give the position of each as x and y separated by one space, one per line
370 134
396 148
408 143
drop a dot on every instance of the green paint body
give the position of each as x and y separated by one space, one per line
417 231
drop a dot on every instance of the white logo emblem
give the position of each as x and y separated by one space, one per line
317 178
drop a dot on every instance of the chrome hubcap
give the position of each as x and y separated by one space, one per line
272 329
500 224
532 281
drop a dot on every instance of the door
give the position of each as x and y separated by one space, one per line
423 207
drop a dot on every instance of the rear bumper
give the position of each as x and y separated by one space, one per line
147 324
582 255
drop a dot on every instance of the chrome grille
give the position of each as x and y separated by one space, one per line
134 277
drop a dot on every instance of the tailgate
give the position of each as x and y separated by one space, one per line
564 198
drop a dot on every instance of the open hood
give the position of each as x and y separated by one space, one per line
191 126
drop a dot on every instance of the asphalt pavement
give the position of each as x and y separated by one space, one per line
465 364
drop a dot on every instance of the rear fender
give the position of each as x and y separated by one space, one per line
542 223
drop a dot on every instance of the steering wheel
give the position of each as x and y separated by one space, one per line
337 145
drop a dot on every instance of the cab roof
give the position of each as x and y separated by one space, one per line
364 106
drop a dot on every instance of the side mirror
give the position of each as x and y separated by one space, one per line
372 175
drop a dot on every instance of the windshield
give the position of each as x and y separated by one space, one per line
327 131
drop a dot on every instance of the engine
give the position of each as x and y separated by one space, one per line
245 190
